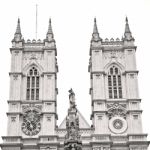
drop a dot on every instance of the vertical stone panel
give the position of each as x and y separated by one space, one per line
97 60
130 59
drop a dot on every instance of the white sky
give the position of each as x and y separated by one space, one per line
72 23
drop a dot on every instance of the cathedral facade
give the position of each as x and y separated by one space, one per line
116 122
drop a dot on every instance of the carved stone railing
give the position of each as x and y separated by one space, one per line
82 132
86 132
61 132
48 139
119 139
138 137
101 137
11 139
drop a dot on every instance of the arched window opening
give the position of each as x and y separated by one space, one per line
33 82
114 83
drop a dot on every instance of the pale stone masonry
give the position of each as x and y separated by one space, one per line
116 114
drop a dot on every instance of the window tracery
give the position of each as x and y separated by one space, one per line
33 81
114 83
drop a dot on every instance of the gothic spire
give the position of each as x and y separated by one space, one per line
18 29
18 35
127 33
127 28
49 35
50 27
95 35
95 30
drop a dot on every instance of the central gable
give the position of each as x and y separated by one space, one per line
82 122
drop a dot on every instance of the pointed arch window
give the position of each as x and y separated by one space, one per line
114 83
33 82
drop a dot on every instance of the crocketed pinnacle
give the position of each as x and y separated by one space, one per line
127 33
49 35
95 30
127 28
49 27
95 35
18 29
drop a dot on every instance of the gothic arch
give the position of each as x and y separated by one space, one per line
117 64
30 65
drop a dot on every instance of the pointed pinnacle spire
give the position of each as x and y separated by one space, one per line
18 29
127 28
95 30
95 35
50 27
127 33
126 19
49 35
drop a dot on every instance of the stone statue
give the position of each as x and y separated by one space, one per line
72 99
72 138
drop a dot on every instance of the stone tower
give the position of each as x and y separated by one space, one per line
33 92
116 113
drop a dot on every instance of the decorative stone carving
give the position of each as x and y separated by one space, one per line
132 76
72 138
113 54
33 56
13 119
116 109
31 121
49 52
16 53
117 114
15 77
49 76
26 107
98 76
117 125
49 118
72 99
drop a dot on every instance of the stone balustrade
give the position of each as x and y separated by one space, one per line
138 137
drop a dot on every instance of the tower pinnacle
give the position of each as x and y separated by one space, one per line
49 35
95 30
95 35
127 29
18 29
127 33
18 35
50 27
